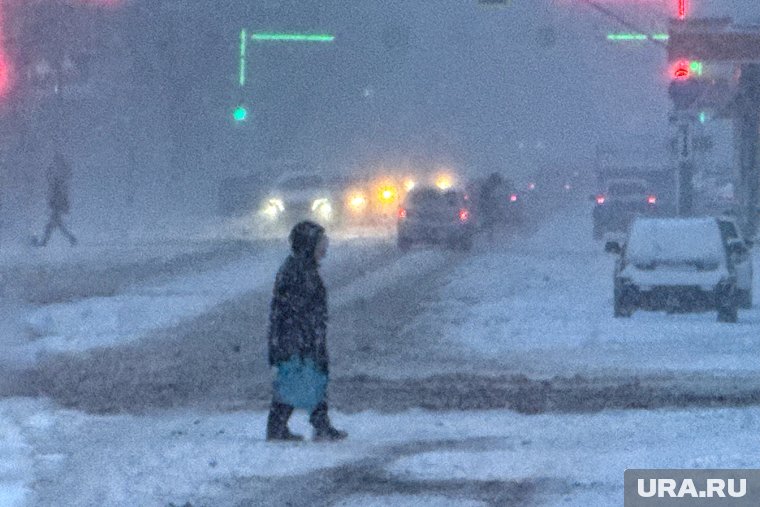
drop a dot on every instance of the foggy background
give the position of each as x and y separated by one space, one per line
150 133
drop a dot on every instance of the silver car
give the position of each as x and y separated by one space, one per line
674 264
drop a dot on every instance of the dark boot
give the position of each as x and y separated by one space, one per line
277 423
323 429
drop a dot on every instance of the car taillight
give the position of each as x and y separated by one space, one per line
652 199
600 199
513 198
464 215
401 213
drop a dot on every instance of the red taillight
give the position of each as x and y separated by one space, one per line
513 198
600 199
652 199
401 213
464 214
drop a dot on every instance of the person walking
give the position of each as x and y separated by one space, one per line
492 202
297 337
58 177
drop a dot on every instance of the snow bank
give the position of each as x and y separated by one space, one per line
542 306
17 456
105 321
195 456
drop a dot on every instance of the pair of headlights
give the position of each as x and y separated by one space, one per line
273 208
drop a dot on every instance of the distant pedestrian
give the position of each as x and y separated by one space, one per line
492 203
59 175
297 337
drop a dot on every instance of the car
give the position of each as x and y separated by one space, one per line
300 196
621 200
497 202
674 264
734 241
433 215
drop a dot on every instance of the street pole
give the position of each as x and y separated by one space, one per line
685 169
747 123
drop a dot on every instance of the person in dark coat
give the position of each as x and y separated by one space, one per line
298 325
58 176
492 202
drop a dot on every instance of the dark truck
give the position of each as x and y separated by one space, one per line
626 191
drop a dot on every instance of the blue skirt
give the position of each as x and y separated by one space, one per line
299 383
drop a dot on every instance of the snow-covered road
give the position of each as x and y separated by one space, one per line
522 322
416 457
543 306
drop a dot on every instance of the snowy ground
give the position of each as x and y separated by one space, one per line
438 458
31 330
541 305
544 305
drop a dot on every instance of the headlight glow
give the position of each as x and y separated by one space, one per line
387 194
323 208
273 208
444 182
357 202
409 185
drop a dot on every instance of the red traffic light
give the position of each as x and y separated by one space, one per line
681 70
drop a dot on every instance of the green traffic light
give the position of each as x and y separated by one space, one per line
240 113
628 37
292 37
243 40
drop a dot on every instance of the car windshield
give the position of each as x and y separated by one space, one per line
302 182
434 197
626 188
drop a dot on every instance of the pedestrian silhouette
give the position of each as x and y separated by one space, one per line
297 337
58 176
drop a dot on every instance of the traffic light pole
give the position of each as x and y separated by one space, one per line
747 124
685 169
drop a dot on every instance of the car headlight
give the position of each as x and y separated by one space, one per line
387 194
357 202
273 208
322 208
444 182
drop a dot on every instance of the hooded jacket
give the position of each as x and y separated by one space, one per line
298 312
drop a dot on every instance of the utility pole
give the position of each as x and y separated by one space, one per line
747 124
685 122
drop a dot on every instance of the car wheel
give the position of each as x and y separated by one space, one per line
728 314
745 299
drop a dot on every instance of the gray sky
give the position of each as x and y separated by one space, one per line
433 81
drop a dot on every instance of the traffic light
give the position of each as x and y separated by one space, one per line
686 69
240 114
680 70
